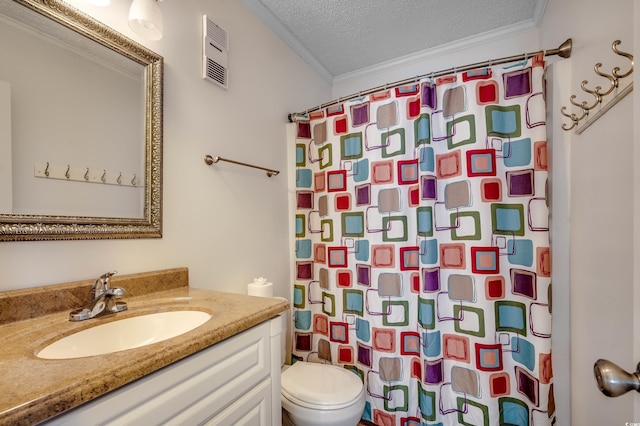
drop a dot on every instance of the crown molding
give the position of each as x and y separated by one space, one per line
285 34
424 55
538 14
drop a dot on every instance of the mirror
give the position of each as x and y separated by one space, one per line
80 127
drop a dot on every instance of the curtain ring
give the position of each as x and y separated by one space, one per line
46 170
86 175
67 174
119 180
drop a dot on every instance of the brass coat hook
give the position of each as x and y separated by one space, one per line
574 119
629 56
594 93
582 106
613 81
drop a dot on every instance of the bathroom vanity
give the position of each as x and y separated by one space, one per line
226 371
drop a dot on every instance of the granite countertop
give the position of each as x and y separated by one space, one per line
34 389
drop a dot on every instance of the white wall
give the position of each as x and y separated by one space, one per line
558 82
600 169
226 223
5 147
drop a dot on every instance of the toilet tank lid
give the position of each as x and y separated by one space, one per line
321 384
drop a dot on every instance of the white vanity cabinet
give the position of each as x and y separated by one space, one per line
234 382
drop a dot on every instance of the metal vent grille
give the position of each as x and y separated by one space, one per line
217 34
216 72
215 53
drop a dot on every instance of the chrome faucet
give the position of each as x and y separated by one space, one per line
103 300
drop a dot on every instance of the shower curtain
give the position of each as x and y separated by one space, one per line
422 257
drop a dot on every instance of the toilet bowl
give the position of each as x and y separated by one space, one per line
315 394
320 394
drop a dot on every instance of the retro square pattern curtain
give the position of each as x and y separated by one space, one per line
422 248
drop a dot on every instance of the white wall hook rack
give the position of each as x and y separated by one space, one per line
85 174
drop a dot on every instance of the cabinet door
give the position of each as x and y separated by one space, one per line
253 409
189 391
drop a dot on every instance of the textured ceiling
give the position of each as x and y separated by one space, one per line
342 36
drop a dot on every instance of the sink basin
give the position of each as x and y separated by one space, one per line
128 333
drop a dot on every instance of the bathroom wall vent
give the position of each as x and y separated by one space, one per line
215 53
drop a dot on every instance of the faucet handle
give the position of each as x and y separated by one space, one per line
101 284
106 279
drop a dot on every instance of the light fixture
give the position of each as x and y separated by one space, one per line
98 2
145 19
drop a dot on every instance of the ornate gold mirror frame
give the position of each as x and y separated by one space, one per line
23 227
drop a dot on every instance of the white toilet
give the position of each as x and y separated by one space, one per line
320 394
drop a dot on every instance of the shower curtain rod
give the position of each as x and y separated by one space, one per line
564 51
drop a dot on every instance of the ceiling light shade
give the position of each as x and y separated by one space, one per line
98 2
145 19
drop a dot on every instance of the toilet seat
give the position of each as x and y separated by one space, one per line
320 386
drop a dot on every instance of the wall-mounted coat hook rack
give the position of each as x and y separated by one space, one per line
597 94
209 160
66 172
